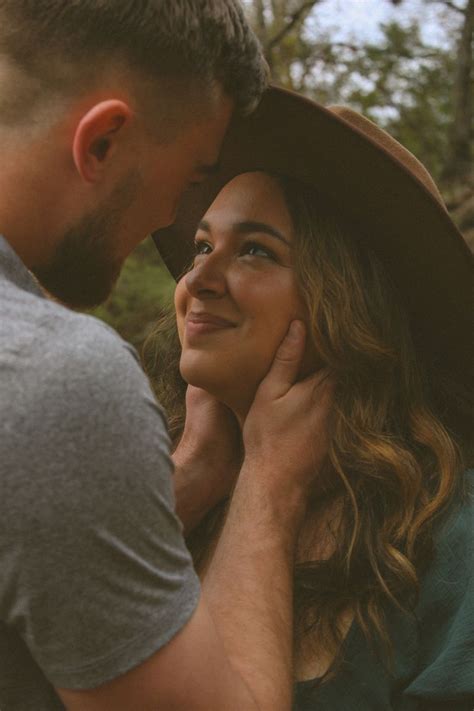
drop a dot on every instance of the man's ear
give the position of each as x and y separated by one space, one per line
97 136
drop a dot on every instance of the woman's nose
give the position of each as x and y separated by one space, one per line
207 277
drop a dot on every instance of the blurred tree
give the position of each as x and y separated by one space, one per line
420 93
459 160
279 25
403 85
143 290
458 170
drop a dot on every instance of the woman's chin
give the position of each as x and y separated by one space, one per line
238 399
200 379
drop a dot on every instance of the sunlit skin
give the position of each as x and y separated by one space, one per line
166 170
235 305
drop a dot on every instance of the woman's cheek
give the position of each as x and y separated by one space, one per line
180 333
180 309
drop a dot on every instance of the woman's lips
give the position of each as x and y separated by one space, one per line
198 324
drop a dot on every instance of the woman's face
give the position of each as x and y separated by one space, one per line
235 305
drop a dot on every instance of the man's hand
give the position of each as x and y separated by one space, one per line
286 432
208 457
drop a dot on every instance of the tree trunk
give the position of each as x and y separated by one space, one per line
260 22
459 160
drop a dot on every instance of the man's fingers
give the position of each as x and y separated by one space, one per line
318 387
323 378
285 367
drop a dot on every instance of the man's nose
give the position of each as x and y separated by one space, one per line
208 277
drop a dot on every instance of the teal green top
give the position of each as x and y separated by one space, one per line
433 667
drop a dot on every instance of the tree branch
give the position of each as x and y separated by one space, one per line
451 5
260 18
296 16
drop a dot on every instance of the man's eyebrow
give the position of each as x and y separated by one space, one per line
249 226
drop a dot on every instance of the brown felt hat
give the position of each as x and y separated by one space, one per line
377 184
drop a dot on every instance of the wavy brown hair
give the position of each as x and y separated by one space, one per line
396 458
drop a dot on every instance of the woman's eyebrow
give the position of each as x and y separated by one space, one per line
249 226
207 168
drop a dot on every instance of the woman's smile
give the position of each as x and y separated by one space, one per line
199 323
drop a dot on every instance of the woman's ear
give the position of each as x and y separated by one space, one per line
97 136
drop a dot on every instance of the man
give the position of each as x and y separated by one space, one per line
109 109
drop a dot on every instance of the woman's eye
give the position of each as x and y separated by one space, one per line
201 247
256 250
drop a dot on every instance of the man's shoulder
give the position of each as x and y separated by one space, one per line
50 336
76 396
81 340
74 332
51 356
90 362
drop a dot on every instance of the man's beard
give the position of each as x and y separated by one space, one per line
84 267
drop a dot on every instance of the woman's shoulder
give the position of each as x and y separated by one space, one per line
453 544
433 648
445 610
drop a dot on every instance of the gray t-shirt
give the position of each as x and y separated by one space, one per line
95 576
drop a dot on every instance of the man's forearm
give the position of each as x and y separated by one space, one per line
248 587
203 476
193 497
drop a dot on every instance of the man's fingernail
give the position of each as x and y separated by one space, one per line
295 332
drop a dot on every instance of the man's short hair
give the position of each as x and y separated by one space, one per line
56 47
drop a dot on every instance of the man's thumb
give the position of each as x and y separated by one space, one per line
286 363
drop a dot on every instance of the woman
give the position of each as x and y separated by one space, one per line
319 215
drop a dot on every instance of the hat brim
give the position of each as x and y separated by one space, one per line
391 210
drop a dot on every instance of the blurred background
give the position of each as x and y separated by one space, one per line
407 64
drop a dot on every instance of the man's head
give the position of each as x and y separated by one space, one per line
108 110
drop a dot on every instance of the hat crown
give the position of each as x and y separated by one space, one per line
387 143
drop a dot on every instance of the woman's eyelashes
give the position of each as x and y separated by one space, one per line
201 247
251 248
257 250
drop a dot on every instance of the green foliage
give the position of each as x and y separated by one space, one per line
143 290
406 89
401 81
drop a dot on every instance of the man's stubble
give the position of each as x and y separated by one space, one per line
85 265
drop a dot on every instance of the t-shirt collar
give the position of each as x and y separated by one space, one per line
13 269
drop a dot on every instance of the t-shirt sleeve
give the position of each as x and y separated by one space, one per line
99 576
446 616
